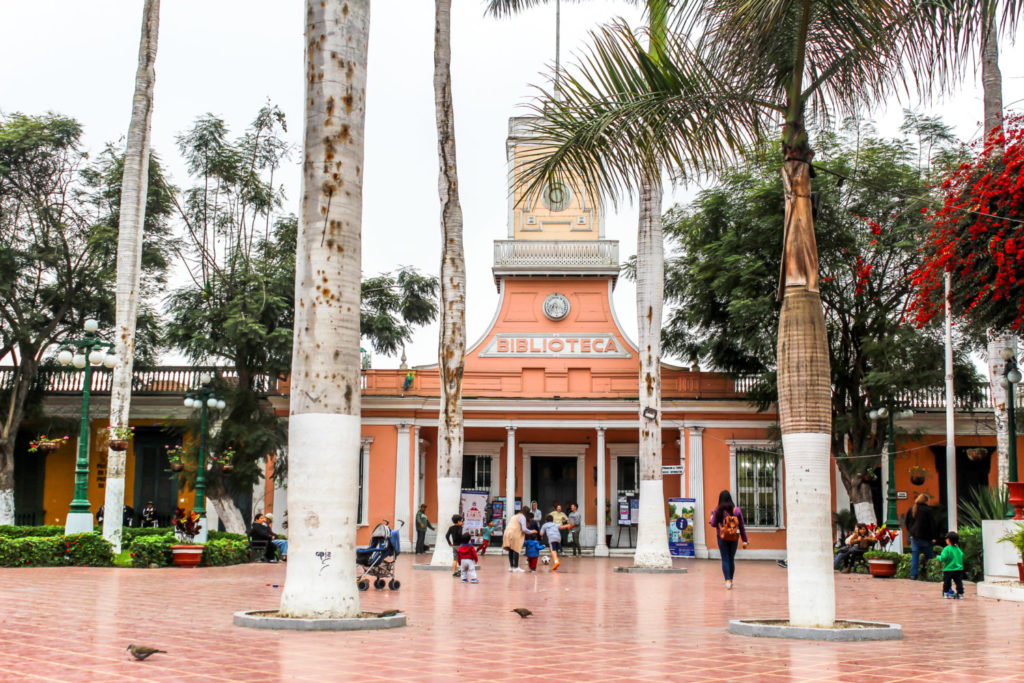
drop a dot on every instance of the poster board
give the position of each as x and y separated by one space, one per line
634 510
474 506
498 515
623 512
681 512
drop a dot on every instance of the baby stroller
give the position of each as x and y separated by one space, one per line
378 560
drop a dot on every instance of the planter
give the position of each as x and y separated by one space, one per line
976 454
916 480
226 468
48 446
187 555
118 444
882 568
1016 495
177 466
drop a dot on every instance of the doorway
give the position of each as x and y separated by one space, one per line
553 480
970 474
154 480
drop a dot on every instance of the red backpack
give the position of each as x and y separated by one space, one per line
729 529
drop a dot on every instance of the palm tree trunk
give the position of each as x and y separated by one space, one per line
996 366
134 187
805 406
324 425
452 342
991 77
651 539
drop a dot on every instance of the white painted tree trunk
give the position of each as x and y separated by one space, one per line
996 365
134 188
228 513
452 341
652 534
324 425
6 506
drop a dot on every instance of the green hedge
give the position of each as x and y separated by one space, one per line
80 550
8 531
221 552
227 535
130 533
147 549
974 556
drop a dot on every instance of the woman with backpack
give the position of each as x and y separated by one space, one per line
728 522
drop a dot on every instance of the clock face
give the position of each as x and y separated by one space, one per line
556 307
557 196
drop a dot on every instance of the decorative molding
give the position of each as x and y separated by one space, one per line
627 450
491 448
540 450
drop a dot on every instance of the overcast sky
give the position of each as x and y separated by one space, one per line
229 56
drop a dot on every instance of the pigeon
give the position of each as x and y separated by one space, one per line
388 613
522 612
140 652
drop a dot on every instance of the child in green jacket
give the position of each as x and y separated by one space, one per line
952 559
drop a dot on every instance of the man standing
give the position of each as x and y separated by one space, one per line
422 524
576 520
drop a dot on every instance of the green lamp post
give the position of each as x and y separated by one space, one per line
1011 377
892 519
83 352
205 398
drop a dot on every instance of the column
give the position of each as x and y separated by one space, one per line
601 547
510 475
695 470
417 485
402 500
613 472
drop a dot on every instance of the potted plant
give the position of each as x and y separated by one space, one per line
43 444
226 460
119 437
1017 539
175 456
186 526
882 563
917 475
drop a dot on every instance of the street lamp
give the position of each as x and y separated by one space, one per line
204 397
892 520
83 352
1011 377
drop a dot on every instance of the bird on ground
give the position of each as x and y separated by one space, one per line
522 612
140 652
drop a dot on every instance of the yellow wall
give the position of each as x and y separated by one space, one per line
548 224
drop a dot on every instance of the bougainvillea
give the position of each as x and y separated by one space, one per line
978 236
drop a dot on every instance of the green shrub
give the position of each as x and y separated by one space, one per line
8 531
150 549
983 503
903 568
32 551
227 535
224 551
882 555
88 550
974 556
130 533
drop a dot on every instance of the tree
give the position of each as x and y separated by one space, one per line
129 261
325 394
58 225
451 348
723 280
768 64
652 543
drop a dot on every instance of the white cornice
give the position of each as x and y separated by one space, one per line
534 450
483 447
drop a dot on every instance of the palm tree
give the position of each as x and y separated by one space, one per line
134 186
767 63
452 341
652 541
324 424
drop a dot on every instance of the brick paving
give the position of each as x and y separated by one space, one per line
589 623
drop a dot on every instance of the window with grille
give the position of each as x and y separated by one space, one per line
476 473
757 486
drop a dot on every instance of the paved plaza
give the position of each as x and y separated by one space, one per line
589 623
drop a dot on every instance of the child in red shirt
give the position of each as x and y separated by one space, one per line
466 554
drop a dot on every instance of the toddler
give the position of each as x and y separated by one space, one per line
466 554
486 537
531 547
952 559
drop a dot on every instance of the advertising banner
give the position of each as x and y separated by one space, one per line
498 515
680 526
474 506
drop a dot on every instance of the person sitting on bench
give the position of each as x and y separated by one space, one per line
260 532
857 544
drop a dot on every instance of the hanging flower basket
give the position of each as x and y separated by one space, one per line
177 466
918 475
976 454
118 445
45 445
227 468
118 437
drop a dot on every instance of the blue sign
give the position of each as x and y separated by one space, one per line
680 526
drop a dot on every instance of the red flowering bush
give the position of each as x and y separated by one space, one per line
978 236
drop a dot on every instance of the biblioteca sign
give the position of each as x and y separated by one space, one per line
555 346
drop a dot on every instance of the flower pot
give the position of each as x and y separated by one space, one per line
882 568
226 468
177 466
118 444
917 479
1016 491
187 555
976 454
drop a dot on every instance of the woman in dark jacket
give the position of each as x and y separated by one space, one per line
921 529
